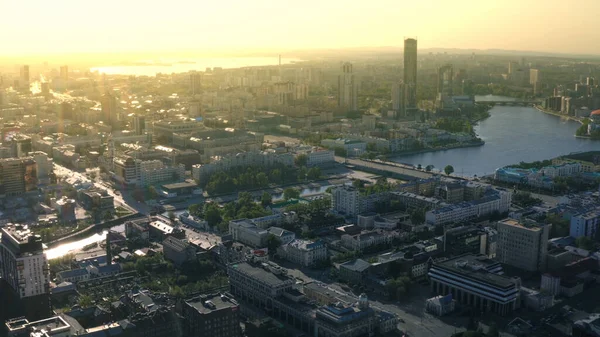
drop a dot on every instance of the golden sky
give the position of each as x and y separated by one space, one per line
82 26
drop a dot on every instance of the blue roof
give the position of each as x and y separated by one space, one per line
110 268
73 273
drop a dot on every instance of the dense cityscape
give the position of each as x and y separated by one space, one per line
400 191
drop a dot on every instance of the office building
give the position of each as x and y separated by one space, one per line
44 166
25 269
585 224
345 200
246 232
24 79
18 176
445 76
523 244
304 252
338 320
465 239
20 144
399 99
195 83
64 73
475 281
347 89
195 109
139 124
215 315
109 109
534 76
177 250
410 71
143 173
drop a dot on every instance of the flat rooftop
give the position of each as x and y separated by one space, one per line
205 304
262 272
180 185
529 225
476 267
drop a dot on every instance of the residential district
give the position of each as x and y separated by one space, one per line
262 201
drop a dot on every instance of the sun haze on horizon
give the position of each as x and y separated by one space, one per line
133 26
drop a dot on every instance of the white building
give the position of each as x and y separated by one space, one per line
244 231
304 252
564 170
440 305
321 158
585 224
24 265
142 173
365 240
493 201
345 200
44 166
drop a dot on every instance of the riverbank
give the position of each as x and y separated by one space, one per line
554 113
444 148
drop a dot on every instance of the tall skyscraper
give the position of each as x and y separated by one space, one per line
195 83
410 71
534 76
445 75
25 268
139 124
109 109
590 81
512 67
399 99
64 73
24 80
347 89
17 176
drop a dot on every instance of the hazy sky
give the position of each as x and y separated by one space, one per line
67 26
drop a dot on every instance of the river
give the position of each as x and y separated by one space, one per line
151 68
511 135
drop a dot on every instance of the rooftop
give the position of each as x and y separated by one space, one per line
526 224
477 267
269 273
206 304
359 265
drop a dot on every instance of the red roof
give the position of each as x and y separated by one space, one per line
595 113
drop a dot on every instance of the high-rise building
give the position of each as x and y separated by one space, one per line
410 71
346 200
512 67
590 81
17 176
534 76
20 145
64 73
25 269
195 83
523 244
109 109
24 81
211 315
139 124
399 99
445 75
347 88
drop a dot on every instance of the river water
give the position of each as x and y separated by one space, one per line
511 135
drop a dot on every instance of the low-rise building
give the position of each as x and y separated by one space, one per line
177 250
211 315
366 239
246 232
303 252
440 305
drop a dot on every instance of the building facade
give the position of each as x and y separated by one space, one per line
523 244
211 315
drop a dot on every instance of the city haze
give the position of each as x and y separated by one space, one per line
237 27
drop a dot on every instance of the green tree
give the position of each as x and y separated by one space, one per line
291 193
428 168
266 199
152 192
212 215
340 152
584 242
314 173
195 210
85 301
171 215
371 147
448 169
273 243
301 160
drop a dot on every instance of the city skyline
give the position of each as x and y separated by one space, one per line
174 30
